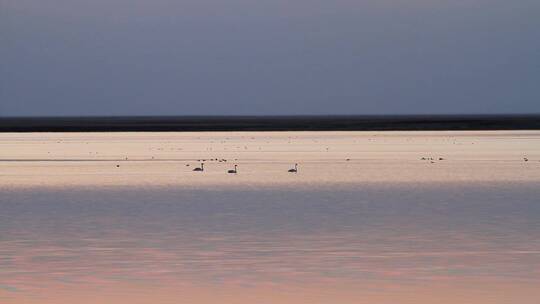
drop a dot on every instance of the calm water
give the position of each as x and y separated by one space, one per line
398 234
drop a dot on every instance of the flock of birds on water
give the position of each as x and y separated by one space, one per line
230 171
295 169
235 170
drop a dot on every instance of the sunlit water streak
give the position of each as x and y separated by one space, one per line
392 234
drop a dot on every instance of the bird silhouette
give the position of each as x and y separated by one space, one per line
294 170
199 169
233 171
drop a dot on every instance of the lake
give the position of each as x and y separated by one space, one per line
371 242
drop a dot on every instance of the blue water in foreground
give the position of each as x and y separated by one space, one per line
400 232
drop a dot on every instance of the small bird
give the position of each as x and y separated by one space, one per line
525 159
233 171
294 170
199 169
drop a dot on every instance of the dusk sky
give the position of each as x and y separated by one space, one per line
265 57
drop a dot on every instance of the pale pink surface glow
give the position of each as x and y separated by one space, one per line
382 227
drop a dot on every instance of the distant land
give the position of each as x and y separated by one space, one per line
270 123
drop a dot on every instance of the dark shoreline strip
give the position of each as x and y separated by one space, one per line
270 123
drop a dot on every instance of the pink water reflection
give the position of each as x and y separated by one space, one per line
373 244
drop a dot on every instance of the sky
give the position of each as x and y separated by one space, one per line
268 57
